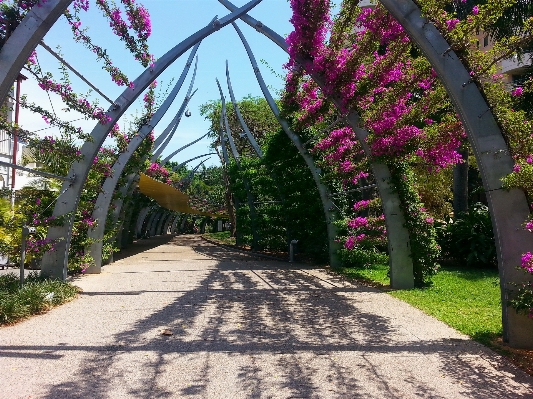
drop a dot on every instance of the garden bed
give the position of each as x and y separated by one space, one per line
37 296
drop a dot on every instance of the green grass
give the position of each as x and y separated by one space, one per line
37 296
465 299
222 237
375 275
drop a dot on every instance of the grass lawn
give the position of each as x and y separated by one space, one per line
37 296
222 237
465 299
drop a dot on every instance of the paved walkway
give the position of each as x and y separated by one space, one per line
241 327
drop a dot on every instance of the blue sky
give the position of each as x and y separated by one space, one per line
172 21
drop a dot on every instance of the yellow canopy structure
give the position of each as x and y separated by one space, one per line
169 197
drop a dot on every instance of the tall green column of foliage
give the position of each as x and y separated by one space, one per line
287 201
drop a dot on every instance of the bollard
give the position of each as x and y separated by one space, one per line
291 250
26 231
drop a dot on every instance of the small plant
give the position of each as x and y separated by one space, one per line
522 296
469 238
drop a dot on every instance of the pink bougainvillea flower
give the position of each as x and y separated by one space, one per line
517 92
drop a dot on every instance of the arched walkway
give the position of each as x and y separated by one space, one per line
179 317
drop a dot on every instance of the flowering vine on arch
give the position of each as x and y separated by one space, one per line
369 61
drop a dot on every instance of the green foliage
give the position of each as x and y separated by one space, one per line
522 298
37 296
363 257
255 112
469 238
286 199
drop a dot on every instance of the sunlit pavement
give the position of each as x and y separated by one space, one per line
179 317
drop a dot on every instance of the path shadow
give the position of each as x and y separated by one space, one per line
270 313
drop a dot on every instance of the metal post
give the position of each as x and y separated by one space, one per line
20 78
291 250
26 231
23 254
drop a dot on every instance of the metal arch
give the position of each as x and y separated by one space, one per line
508 208
164 161
25 38
140 220
192 159
176 121
398 240
191 174
249 195
226 124
54 263
174 224
327 204
258 26
162 220
249 135
225 156
101 207
168 223
147 228
179 84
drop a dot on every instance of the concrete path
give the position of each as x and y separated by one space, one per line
242 327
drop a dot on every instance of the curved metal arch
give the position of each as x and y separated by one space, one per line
101 206
159 226
164 161
191 174
179 84
54 263
244 126
140 220
398 240
508 208
192 159
249 195
25 38
174 224
227 130
323 191
225 157
176 121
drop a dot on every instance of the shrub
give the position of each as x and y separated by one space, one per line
469 238
37 296
363 257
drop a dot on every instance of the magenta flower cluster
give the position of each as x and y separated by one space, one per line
158 172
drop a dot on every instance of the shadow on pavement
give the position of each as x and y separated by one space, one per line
270 313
